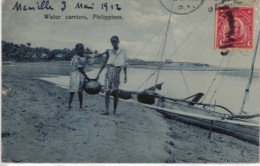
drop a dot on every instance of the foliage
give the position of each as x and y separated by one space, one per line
24 52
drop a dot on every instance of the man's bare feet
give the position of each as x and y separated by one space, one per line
104 113
81 109
69 107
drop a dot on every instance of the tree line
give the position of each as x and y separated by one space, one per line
25 52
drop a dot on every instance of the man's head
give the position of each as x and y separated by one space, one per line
80 48
114 41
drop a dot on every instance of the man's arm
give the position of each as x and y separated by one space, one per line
99 55
91 59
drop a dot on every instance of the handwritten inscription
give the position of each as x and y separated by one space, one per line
229 2
106 6
225 3
46 5
84 6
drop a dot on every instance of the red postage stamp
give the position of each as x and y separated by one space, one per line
234 28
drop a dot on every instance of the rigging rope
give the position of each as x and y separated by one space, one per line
251 76
221 79
176 50
158 53
148 42
163 50
185 82
180 68
163 43
214 79
153 72
147 79
188 36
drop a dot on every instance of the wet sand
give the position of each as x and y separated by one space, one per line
37 127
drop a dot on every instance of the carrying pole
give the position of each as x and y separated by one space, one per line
250 77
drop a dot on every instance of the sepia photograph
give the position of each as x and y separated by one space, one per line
130 81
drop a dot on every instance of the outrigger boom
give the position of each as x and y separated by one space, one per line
156 95
232 116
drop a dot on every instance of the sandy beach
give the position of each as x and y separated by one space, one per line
38 128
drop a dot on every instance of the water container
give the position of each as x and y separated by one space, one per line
92 87
146 98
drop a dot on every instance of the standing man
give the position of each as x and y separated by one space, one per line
116 61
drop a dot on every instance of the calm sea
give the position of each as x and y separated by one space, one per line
229 89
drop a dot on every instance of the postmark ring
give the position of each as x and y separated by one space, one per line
189 8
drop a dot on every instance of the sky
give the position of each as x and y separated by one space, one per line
190 37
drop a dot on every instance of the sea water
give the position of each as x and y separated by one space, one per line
228 88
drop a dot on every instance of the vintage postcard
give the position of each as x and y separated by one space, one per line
130 81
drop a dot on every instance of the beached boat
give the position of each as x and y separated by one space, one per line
212 117
224 121
191 110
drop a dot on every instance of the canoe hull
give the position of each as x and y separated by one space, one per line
245 133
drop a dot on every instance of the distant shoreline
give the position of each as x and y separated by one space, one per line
175 66
189 68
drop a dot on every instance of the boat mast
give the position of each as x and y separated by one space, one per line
250 77
164 43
